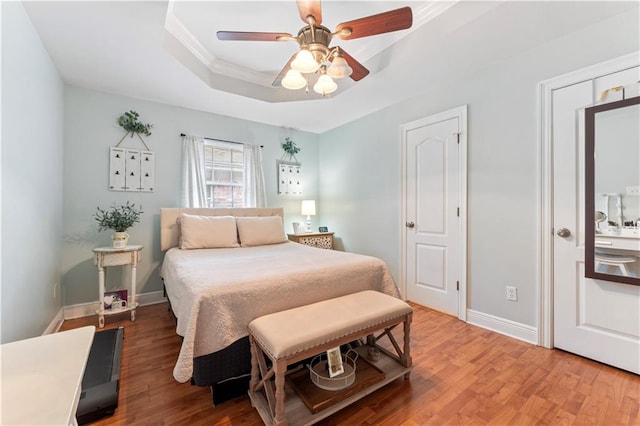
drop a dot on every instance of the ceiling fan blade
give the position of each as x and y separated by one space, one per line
251 36
283 72
386 22
308 8
359 70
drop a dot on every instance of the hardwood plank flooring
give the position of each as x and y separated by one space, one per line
462 375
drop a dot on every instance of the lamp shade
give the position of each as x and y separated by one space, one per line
325 85
308 207
293 80
305 62
339 68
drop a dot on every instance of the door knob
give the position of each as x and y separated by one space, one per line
563 232
410 224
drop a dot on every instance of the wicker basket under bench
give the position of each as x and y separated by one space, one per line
296 334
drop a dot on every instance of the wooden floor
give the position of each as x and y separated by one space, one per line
462 375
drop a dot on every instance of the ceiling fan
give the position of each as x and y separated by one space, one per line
315 55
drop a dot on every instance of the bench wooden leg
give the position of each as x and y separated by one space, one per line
261 379
255 372
406 355
280 370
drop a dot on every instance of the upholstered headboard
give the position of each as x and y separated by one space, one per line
170 231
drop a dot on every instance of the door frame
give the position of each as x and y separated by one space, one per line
545 182
460 113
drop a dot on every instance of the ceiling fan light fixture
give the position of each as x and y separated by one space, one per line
325 85
293 80
339 68
305 62
314 40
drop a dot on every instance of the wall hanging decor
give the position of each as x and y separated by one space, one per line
132 169
290 150
289 178
289 169
129 122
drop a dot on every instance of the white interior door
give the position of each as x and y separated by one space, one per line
434 167
593 318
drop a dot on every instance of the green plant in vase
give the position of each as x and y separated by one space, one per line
119 219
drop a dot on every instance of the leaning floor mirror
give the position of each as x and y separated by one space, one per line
612 171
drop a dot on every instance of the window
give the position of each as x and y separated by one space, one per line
223 166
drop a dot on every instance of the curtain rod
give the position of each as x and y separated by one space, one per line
220 140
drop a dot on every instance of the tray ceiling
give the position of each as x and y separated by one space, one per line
167 51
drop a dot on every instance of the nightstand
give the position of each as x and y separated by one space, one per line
322 240
108 256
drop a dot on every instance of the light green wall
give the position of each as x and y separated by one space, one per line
360 166
32 109
91 128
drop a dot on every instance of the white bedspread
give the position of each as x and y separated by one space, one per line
215 293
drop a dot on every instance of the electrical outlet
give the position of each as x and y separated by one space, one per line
633 190
512 293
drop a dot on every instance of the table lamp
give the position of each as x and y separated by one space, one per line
308 209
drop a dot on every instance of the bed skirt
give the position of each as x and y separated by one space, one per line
227 371
232 361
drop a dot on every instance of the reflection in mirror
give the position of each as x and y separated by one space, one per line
612 170
599 218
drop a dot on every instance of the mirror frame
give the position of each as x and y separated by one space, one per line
590 193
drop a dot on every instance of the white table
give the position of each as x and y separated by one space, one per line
109 256
42 377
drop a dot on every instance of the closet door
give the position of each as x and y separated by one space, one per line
593 318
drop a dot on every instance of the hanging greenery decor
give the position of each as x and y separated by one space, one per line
129 122
290 148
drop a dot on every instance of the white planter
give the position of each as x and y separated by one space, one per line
120 239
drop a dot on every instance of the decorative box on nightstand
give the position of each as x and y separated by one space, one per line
322 240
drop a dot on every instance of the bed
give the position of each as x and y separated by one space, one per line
215 292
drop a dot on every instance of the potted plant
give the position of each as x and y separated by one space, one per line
118 218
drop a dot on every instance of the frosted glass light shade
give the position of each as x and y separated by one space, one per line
339 68
305 62
308 207
293 80
325 85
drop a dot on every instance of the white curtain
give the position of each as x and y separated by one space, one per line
194 193
255 194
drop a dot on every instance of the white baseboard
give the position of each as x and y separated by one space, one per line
86 309
55 324
507 327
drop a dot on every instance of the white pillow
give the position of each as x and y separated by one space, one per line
200 232
257 231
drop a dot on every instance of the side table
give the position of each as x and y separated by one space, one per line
322 240
109 256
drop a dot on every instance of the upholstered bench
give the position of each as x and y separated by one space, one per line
296 334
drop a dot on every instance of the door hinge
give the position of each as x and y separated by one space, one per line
458 212
457 285
457 135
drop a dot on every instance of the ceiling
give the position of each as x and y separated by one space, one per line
168 52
